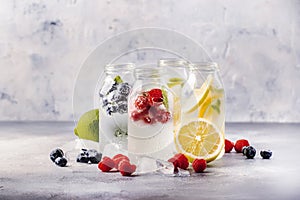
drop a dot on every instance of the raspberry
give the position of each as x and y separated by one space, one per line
164 117
126 169
199 165
106 164
141 103
228 146
155 97
118 159
179 160
136 115
239 144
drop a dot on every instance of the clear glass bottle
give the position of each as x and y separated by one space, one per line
115 88
203 111
150 115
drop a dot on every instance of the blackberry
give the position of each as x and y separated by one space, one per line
250 152
93 156
119 98
266 154
104 102
82 158
111 109
56 153
124 89
61 161
122 107
113 88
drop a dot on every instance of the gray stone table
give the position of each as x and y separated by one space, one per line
26 171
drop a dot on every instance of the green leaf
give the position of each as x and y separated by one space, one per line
118 80
216 108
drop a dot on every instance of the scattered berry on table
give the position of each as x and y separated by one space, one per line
244 150
82 158
118 159
228 146
199 165
126 169
106 164
179 160
266 154
250 152
61 161
239 144
93 156
56 153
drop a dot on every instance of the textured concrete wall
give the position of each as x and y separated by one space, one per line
256 43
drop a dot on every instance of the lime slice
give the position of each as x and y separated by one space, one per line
199 139
198 96
88 126
175 81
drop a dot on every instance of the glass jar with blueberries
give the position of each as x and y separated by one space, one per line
115 88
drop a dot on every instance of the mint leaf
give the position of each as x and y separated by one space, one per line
118 80
216 108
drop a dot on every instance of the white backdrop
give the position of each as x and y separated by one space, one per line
256 43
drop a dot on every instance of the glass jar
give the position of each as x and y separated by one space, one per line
150 113
115 88
203 112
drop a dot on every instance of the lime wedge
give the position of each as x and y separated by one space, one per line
88 126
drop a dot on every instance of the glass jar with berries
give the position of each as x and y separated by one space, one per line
115 88
150 113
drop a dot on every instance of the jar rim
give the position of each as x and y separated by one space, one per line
173 62
204 66
147 71
119 66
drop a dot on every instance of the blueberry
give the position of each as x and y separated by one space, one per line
250 152
61 161
94 156
56 153
124 89
82 158
244 150
266 154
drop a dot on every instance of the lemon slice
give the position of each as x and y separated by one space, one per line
199 139
198 97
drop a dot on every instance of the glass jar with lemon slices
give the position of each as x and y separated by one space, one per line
201 132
